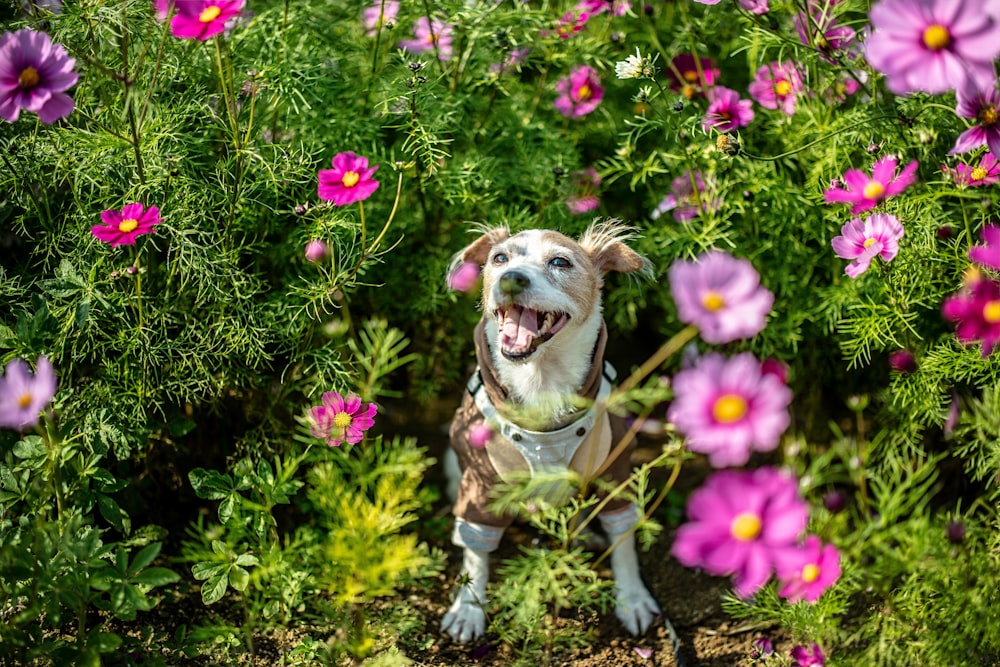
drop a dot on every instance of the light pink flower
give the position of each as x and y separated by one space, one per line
586 191
579 93
380 13
124 226
816 570
987 172
863 240
865 192
316 250
776 86
202 19
689 197
34 75
349 181
430 36
23 395
339 419
464 277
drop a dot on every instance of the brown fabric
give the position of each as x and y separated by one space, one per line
479 477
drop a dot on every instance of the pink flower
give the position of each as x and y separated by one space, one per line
34 73
727 408
976 311
983 106
161 8
569 24
579 93
865 192
933 45
755 6
863 240
987 172
23 396
689 197
464 277
816 571
685 78
349 181
316 250
514 59
586 186
380 13
721 295
726 111
817 27
776 86
341 419
430 36
480 434
805 658
201 19
123 227
594 7
987 255
744 523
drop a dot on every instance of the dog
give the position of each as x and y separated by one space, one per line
540 348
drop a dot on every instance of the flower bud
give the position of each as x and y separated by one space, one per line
955 531
902 361
316 250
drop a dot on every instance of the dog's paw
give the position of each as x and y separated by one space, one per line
636 609
464 621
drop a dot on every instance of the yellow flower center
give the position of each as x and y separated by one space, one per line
350 179
988 116
342 420
745 527
584 92
978 173
23 401
712 301
691 76
128 225
782 88
810 573
688 91
209 14
936 37
873 190
870 242
729 408
991 312
28 77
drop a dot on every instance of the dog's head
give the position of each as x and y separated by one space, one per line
540 286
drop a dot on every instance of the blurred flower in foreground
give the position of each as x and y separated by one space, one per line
480 434
934 45
341 419
865 192
124 226
586 185
776 86
430 36
349 181
805 658
689 197
316 250
23 396
380 13
721 295
727 408
464 277
987 172
726 111
594 7
975 309
818 569
579 93
201 19
902 361
987 255
743 523
982 106
762 647
34 73
686 79
863 240
569 24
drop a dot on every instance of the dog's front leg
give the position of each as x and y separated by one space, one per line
466 619
634 605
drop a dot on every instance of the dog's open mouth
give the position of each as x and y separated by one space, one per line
522 329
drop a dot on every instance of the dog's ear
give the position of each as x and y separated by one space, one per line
479 250
605 242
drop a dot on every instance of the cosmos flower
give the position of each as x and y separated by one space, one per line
339 419
569 24
685 78
744 523
689 197
902 361
34 75
806 658
726 111
579 93
124 226
776 86
755 6
865 192
933 45
594 7
464 277
808 579
863 240
635 67
721 295
380 13
24 395
987 255
983 106
586 188
202 19
975 309
819 28
514 59
430 36
349 181
727 408
987 172
316 250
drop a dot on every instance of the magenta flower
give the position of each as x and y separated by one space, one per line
201 19
430 36
983 106
569 24
987 172
863 240
685 77
161 8
744 523
34 73
480 434
594 7
933 45
816 571
806 658
124 226
23 396
689 197
316 251
987 255
349 181
755 6
377 15
586 188
817 27
727 408
464 277
903 361
341 419
865 192
776 86
726 111
976 311
579 93
721 295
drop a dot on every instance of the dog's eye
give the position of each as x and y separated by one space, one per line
499 258
561 263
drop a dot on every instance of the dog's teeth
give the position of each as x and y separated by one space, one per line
546 324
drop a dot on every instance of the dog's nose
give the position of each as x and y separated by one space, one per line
513 283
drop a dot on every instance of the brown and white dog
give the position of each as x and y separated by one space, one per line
540 349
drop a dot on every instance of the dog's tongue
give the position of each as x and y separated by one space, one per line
518 329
